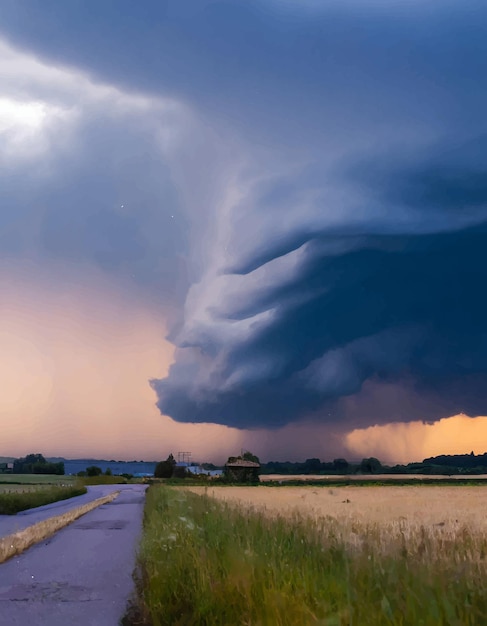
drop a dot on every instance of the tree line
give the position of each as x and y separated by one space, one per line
37 464
456 464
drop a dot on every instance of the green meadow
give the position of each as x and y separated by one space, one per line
19 492
36 479
208 562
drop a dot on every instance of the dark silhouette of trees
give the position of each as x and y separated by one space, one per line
312 466
341 465
371 466
37 464
165 469
93 470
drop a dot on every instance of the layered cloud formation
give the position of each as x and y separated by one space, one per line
304 316
319 166
359 262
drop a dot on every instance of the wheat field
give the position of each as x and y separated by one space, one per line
427 518
340 556
429 506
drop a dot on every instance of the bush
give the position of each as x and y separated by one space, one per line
93 470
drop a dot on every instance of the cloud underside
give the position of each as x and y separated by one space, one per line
359 311
403 310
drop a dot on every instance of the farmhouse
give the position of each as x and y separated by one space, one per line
242 471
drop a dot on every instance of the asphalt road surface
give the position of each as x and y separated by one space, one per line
11 523
82 575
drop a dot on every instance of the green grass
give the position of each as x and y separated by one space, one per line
36 479
17 498
19 488
203 562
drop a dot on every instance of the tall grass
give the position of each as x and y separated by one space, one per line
11 502
204 562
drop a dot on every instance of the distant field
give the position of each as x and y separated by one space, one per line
15 498
364 477
431 506
36 479
24 488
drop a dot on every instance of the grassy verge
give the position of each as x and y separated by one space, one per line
11 502
203 562
36 479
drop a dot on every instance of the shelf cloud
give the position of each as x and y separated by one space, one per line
300 187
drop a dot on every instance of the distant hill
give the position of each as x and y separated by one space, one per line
7 459
73 466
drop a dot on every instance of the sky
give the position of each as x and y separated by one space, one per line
254 224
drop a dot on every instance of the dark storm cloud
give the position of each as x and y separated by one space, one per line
314 63
337 243
400 305
449 177
382 306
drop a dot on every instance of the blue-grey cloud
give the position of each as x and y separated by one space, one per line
395 293
86 176
329 186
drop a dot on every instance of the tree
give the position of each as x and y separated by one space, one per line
179 471
93 470
248 456
108 472
371 466
165 469
37 464
341 465
35 458
312 466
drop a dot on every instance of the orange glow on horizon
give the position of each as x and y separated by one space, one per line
414 441
76 355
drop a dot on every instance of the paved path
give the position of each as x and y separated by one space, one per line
11 523
82 576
